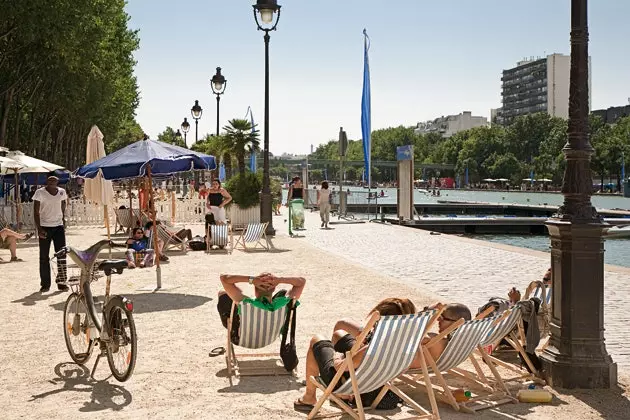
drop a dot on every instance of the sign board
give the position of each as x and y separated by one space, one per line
404 155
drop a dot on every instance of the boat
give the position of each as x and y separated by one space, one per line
618 232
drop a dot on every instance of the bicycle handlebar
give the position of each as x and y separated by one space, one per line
93 249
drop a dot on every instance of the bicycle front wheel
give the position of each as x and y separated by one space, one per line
122 347
76 328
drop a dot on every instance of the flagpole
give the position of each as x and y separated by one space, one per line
366 116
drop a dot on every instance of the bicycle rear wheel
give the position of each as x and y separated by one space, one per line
76 328
122 347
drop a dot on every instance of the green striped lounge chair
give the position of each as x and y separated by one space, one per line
391 351
221 236
258 328
253 236
506 326
466 338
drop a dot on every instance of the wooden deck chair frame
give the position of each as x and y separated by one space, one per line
516 342
490 396
330 393
210 241
170 240
241 240
124 221
232 358
538 289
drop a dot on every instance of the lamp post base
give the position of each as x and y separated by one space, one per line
266 212
576 356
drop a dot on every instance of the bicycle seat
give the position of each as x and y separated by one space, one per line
112 266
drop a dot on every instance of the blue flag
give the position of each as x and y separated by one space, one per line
221 172
623 167
252 156
466 176
366 111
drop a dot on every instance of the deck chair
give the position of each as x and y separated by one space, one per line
255 234
394 345
509 327
258 328
124 221
538 290
466 338
170 240
221 236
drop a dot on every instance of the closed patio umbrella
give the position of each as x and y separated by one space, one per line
97 189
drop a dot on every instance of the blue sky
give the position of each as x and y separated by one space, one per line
428 58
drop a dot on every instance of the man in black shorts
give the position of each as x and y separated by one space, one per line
265 296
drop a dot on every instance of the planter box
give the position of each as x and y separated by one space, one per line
239 218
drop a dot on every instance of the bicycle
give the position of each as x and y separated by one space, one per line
115 333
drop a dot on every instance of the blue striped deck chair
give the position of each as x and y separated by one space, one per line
254 234
219 236
465 339
538 290
259 328
507 325
394 345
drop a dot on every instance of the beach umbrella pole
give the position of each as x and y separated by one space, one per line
17 202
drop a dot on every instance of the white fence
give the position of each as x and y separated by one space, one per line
82 213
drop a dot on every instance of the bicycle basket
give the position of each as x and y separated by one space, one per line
69 273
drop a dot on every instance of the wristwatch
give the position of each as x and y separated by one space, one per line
251 279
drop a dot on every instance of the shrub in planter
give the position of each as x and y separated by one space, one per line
245 189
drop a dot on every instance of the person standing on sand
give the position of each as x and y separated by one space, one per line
50 212
323 202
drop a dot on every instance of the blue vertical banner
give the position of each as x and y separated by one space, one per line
252 155
221 172
466 176
623 167
366 111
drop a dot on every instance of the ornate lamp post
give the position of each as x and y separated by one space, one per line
178 137
267 10
218 84
196 112
576 356
185 128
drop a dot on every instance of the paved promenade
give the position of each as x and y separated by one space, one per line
347 272
464 270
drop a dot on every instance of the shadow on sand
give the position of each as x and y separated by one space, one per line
35 297
157 302
76 378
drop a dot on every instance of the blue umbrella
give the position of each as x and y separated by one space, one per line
221 172
132 161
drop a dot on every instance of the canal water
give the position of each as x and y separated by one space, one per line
617 250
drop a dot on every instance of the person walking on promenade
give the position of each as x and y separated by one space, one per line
323 202
50 212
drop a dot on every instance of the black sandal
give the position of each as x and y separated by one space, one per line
217 351
302 407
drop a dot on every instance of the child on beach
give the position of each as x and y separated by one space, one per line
139 243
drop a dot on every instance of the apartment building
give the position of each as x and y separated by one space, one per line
451 124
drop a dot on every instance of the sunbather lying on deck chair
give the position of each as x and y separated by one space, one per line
265 295
325 356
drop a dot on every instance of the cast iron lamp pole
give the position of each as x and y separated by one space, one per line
267 10
185 128
196 112
178 137
218 84
576 356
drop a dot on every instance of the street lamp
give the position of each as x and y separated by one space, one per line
218 84
196 112
267 10
185 128
178 137
576 356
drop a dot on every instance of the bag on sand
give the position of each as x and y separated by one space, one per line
197 243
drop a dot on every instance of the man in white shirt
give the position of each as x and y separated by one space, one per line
50 211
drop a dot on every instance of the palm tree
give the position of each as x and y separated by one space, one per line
218 147
240 138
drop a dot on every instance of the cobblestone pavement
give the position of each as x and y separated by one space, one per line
462 269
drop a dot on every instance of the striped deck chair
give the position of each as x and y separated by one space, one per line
170 240
391 351
465 339
506 327
124 220
255 234
221 236
258 328
538 290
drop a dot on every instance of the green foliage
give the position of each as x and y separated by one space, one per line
66 65
245 189
168 136
240 138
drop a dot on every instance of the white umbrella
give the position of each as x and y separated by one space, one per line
31 164
488 180
544 180
97 190
502 179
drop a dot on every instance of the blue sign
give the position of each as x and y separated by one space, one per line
404 152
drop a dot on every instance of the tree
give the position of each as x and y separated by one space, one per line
168 136
241 138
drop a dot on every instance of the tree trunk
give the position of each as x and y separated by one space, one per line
8 98
227 161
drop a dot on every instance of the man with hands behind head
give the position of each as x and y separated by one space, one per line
265 297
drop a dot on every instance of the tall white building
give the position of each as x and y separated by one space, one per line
451 124
537 85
